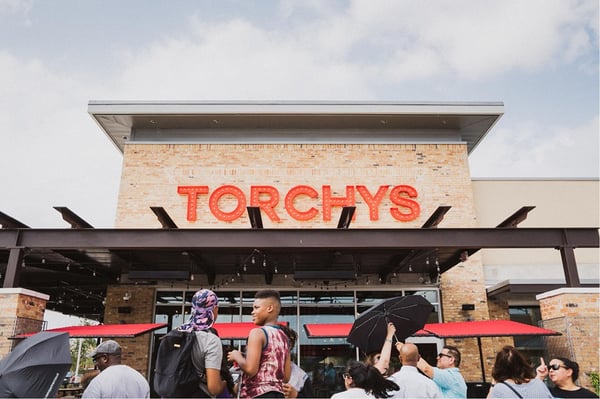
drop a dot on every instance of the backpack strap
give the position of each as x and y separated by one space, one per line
512 389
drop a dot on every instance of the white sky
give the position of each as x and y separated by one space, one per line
538 57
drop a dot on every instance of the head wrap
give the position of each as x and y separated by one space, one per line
202 316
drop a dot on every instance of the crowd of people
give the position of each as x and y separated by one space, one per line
267 371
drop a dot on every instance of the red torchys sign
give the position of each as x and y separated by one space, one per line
267 198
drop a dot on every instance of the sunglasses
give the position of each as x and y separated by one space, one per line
556 366
346 375
443 354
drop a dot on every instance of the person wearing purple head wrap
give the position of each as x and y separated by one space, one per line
207 354
205 305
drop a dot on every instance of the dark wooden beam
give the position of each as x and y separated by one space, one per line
346 217
436 217
72 218
255 217
9 222
516 218
301 239
163 217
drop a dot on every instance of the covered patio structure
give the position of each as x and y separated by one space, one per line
74 266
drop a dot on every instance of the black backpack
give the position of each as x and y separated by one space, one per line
174 374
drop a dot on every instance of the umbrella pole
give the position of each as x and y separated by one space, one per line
481 358
78 357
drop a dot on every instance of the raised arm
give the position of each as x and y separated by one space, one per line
250 364
386 350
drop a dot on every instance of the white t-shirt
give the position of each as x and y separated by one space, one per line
352 393
118 381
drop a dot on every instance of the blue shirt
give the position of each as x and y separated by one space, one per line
451 382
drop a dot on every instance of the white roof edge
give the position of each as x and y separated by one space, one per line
568 290
24 291
199 107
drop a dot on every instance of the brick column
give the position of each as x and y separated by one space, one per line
139 308
21 311
574 313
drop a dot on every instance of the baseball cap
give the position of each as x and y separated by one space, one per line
109 347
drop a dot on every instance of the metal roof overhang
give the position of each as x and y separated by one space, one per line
295 122
104 330
83 262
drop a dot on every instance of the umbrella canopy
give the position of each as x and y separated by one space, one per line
36 367
408 313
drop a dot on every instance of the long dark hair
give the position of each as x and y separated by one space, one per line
510 363
370 379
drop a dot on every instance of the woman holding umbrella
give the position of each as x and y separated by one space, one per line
364 381
381 360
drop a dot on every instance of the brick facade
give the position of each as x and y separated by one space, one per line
574 313
21 311
439 173
135 351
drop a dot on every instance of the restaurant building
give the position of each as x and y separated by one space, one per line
335 205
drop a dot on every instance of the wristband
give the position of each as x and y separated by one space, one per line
388 340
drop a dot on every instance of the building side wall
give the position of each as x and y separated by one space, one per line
558 203
20 313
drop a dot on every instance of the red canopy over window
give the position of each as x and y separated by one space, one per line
104 330
340 330
485 328
459 329
236 330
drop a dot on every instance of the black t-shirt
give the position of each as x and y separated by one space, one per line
580 393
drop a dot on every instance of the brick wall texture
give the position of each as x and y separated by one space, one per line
575 316
439 173
19 314
135 351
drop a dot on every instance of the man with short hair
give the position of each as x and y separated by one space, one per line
446 375
115 380
412 383
267 365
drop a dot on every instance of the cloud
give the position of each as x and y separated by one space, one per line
531 149
345 52
53 153
14 7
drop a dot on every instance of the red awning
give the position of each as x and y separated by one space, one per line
104 330
485 328
328 330
236 330
341 330
460 329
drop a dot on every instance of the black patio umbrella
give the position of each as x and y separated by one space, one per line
408 313
36 367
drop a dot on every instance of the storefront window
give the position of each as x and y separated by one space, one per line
301 308
531 347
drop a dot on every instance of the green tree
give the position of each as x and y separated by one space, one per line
87 346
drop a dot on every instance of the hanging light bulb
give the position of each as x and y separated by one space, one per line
427 261
410 268
275 270
94 273
252 260
245 268
264 262
68 266
192 277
